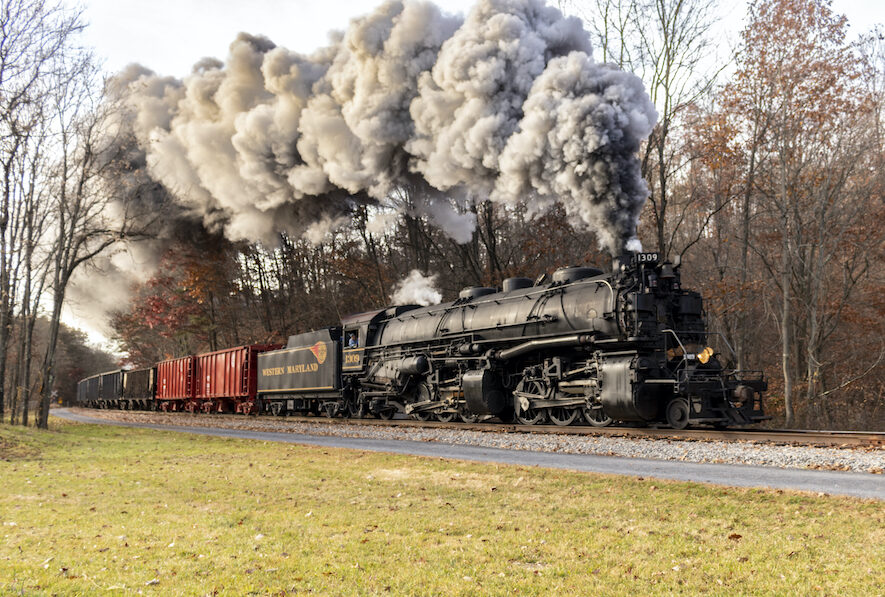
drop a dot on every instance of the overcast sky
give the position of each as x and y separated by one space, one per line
169 36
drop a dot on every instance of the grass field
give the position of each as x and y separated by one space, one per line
88 509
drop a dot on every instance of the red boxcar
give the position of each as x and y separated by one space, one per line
226 380
175 383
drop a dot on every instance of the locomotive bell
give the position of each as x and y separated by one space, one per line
667 272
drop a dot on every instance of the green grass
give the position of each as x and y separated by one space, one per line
89 509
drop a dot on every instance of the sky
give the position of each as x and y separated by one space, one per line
169 36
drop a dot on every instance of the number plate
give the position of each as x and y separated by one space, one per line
646 258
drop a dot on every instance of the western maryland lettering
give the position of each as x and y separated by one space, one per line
290 369
313 366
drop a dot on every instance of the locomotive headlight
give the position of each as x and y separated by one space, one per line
705 355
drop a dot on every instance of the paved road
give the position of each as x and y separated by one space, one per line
831 482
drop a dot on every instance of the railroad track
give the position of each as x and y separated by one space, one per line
804 437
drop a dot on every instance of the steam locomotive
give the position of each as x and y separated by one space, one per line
580 346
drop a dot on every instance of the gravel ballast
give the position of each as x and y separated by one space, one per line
869 460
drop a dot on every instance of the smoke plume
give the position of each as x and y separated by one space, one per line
416 289
505 104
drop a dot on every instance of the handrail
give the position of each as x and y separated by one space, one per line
675 335
612 290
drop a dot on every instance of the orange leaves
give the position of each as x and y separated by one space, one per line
795 72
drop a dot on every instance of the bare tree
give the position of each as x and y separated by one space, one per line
29 215
96 203
33 35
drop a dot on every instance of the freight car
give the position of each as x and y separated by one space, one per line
101 391
87 392
226 379
582 345
175 384
137 391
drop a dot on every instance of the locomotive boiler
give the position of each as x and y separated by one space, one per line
581 345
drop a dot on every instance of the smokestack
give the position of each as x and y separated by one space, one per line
621 262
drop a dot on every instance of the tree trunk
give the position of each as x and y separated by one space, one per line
786 332
213 323
372 251
13 394
27 344
741 342
486 213
49 360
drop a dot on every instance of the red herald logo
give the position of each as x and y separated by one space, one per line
319 351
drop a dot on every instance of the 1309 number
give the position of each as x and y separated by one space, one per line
646 258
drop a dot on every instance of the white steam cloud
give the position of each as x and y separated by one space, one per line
505 104
416 289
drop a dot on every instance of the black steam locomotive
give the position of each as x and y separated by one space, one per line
578 346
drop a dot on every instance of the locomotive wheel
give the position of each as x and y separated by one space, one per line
677 413
563 416
597 417
423 393
531 416
445 417
388 414
467 417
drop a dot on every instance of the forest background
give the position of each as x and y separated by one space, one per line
765 179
